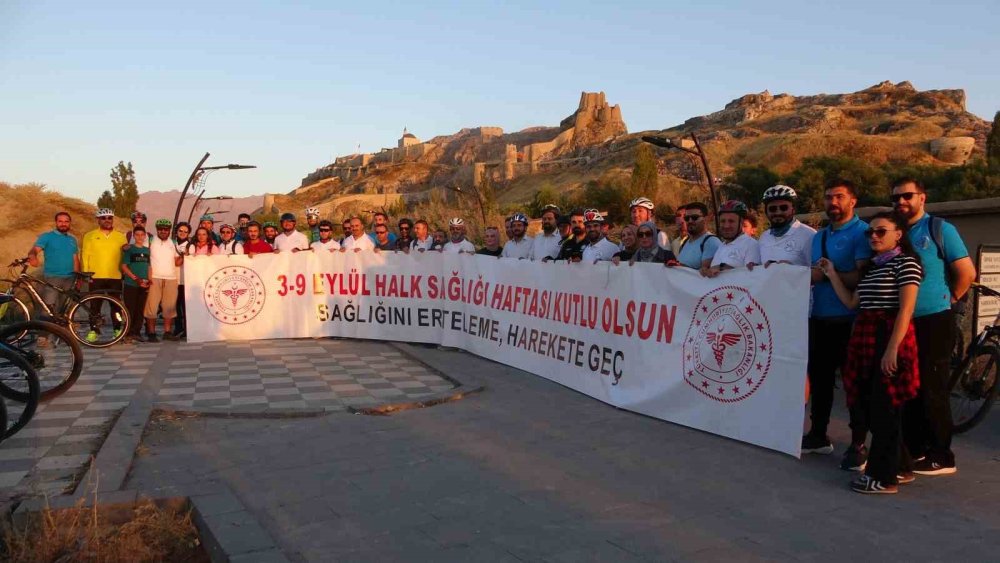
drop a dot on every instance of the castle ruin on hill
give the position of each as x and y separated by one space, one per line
475 153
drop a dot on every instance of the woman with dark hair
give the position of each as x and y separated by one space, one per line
880 373
203 244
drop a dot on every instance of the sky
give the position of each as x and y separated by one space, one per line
288 86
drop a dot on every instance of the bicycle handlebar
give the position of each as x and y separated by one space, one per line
976 286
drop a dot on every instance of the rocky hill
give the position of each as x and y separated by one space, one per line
156 204
887 122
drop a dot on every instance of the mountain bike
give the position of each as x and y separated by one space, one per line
51 351
974 382
96 318
19 388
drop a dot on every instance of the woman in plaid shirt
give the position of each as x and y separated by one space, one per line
880 373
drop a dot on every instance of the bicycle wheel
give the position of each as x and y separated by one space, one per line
12 312
16 374
99 320
974 387
51 351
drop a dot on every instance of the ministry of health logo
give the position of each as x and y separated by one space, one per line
727 349
234 295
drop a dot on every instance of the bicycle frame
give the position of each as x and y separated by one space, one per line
24 281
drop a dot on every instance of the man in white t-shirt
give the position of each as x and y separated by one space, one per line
737 249
458 243
422 240
358 239
788 241
326 241
598 247
519 245
290 240
546 244
229 245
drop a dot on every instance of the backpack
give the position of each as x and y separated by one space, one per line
703 241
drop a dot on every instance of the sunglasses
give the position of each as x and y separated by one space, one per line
778 208
905 196
404 228
381 232
879 232
325 230
644 234
692 218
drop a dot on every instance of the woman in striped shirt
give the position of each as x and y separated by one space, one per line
880 373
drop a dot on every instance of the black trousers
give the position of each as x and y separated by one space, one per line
828 340
927 418
180 322
112 287
888 455
135 301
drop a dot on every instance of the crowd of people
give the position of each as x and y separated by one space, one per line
881 305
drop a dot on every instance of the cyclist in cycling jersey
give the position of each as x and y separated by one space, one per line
738 249
788 241
312 220
458 243
519 245
598 247
101 254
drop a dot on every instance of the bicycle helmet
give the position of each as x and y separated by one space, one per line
224 226
137 214
641 202
519 217
104 212
312 212
551 207
456 222
779 192
734 206
163 223
207 217
269 224
592 216
287 217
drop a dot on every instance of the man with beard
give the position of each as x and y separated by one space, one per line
788 241
492 238
545 245
564 227
345 228
698 250
270 233
325 241
598 247
312 220
519 245
101 253
405 227
163 278
738 250
254 244
572 248
62 259
844 243
640 211
242 222
290 240
458 243
948 272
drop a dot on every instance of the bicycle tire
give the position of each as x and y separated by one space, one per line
963 377
57 364
3 415
13 312
86 321
16 372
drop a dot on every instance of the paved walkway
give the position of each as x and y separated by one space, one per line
530 471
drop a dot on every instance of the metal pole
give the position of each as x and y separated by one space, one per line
711 181
197 200
187 186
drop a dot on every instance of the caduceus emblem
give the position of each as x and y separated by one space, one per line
720 341
235 293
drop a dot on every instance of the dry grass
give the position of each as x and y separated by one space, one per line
145 533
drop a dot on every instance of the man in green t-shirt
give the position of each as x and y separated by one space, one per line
135 270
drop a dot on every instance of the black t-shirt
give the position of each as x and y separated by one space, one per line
489 252
572 249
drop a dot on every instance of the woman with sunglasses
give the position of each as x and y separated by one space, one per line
880 373
648 250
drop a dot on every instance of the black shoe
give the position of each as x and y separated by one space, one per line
928 467
855 458
152 338
868 486
171 336
812 444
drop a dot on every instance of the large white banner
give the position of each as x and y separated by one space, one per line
726 355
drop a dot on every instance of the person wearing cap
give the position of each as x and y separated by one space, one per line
564 227
229 245
380 218
138 220
519 246
458 243
290 240
101 254
207 222
640 210
326 242
270 232
405 227
738 250
255 244
242 222
135 268
788 241
358 239
598 247
572 248
164 282
312 220
62 259
545 245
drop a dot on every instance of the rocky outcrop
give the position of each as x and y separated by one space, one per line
594 121
953 150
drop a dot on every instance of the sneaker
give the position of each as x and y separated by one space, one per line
928 467
812 444
868 486
92 336
855 459
170 336
905 478
152 338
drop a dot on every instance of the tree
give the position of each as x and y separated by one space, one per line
546 195
993 143
106 201
644 176
124 189
810 179
751 182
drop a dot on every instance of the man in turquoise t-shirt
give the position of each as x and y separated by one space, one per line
62 259
699 248
948 273
843 242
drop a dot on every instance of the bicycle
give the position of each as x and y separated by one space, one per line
96 319
19 383
49 349
974 383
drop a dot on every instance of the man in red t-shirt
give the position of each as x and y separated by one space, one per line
254 244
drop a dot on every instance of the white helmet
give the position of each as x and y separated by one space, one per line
641 202
104 212
312 212
779 192
456 222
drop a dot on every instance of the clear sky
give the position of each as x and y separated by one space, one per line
289 85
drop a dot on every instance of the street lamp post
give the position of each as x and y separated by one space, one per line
479 200
200 199
696 151
196 174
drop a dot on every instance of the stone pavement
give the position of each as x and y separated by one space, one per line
530 471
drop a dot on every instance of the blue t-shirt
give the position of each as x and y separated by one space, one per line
691 254
59 251
374 237
844 247
934 295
